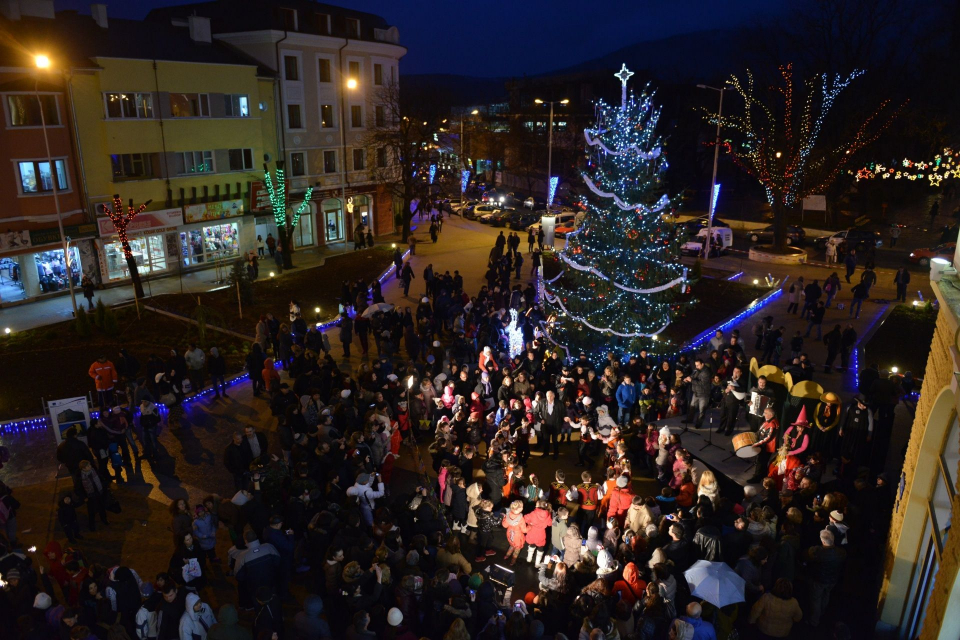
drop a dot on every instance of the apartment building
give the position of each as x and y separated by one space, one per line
333 65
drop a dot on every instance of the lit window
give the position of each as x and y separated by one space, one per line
195 162
129 105
326 116
25 110
189 105
236 105
35 176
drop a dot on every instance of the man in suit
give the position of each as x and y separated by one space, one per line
551 416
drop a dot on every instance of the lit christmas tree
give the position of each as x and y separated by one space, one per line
621 277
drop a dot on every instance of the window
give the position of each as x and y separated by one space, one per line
353 28
297 164
359 160
236 105
378 74
356 116
194 162
326 116
324 69
329 161
129 105
289 19
380 115
25 110
291 68
189 105
131 166
353 70
35 176
323 23
240 159
294 121
381 157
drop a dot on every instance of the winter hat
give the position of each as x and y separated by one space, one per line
528 598
425 300
622 482
42 601
363 478
345 393
13 574
475 581
651 530
587 400
436 343
146 589
352 572
431 359
606 564
413 558
394 617
116 411
836 515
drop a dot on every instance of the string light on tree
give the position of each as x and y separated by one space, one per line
621 279
278 204
121 219
944 166
515 335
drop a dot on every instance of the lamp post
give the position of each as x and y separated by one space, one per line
550 140
716 153
43 62
463 158
352 84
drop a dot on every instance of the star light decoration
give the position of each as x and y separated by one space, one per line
780 146
944 166
278 199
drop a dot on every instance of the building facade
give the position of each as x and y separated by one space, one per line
334 67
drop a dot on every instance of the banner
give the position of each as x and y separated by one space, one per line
212 211
52 234
259 197
146 221
10 240
67 413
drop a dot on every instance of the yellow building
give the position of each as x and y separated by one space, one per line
163 114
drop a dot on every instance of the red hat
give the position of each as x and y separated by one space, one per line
802 418
475 415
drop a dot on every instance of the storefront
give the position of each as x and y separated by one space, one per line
211 232
303 234
331 213
360 209
152 236
32 263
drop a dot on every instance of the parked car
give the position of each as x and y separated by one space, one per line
795 235
693 226
482 210
922 256
534 202
488 218
855 237
502 217
521 219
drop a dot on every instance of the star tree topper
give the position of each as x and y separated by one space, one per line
624 75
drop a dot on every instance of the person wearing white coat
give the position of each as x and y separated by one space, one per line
366 495
196 619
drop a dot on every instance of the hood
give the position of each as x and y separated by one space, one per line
631 575
228 615
313 606
486 592
540 517
192 600
514 519
592 534
53 547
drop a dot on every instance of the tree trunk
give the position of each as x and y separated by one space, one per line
779 224
407 217
283 244
288 253
134 272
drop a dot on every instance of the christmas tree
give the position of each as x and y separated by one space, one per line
620 276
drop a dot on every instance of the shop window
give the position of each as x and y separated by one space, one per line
128 105
25 110
353 29
236 105
194 162
291 68
297 165
378 74
329 161
294 120
189 105
353 70
359 160
131 166
209 244
149 252
324 69
303 232
240 159
35 176
332 220
380 115
356 116
53 272
326 116
381 157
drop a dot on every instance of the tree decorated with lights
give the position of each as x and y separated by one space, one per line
121 218
620 270
278 203
780 139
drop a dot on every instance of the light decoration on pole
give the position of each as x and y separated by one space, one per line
622 281
713 200
433 172
515 335
552 190
779 145
944 166
464 179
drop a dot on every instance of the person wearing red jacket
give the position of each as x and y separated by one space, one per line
104 376
631 587
537 522
621 497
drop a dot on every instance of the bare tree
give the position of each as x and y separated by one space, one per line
407 135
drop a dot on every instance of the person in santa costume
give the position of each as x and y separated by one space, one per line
796 439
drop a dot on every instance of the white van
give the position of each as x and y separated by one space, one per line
722 241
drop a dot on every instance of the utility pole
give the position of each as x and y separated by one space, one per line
713 181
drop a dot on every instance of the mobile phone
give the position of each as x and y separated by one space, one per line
517 605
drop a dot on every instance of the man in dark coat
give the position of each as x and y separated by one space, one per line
834 342
551 416
855 433
70 453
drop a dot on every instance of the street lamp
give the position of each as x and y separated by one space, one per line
43 62
550 140
352 84
463 158
716 153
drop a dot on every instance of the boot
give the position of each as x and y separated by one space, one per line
530 551
539 557
513 560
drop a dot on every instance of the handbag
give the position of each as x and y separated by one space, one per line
191 570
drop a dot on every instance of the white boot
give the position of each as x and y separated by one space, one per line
539 557
530 551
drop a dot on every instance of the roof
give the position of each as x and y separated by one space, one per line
234 16
75 41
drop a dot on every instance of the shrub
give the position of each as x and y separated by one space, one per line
110 325
81 324
100 313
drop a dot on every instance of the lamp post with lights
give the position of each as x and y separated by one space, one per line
463 158
550 140
352 84
716 153
43 62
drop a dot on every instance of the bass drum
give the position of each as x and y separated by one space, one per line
743 444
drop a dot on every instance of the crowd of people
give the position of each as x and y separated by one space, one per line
317 521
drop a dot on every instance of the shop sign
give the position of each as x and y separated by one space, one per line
259 197
68 413
73 231
212 210
12 240
162 219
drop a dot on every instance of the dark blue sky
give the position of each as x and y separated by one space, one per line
514 37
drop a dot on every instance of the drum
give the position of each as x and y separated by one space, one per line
743 444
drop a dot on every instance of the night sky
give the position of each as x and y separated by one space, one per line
497 37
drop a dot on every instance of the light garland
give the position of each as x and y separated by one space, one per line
515 335
638 334
659 206
464 180
433 172
552 189
594 271
944 166
278 199
121 220
597 142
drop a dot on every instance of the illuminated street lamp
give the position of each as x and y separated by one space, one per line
550 140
